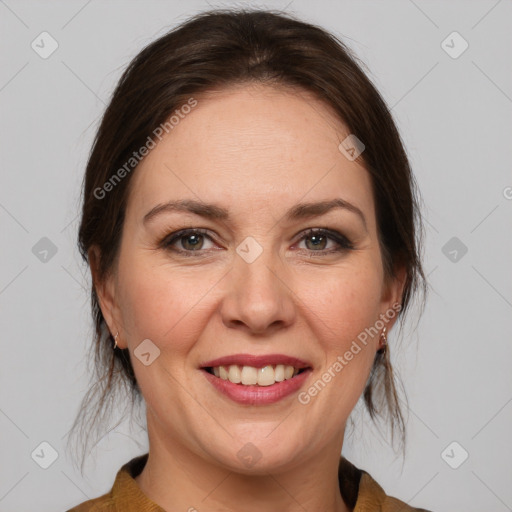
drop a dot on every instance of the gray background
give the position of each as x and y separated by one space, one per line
455 117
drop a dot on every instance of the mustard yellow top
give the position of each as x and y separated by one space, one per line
360 492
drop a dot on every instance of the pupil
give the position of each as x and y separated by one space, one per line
195 241
317 240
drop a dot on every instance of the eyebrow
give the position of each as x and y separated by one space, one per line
215 212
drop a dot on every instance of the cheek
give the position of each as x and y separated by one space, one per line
341 315
163 305
338 314
345 304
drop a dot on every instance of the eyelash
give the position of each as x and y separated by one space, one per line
344 244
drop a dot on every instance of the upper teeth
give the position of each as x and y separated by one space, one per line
250 376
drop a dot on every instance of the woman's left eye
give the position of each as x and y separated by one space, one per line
319 241
316 240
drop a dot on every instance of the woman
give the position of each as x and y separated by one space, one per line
251 226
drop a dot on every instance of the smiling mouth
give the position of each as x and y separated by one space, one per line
252 376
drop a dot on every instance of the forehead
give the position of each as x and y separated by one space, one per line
252 147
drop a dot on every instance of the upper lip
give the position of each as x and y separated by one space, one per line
256 361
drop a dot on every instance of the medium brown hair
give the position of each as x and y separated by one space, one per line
217 49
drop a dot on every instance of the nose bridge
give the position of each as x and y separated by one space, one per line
257 267
259 296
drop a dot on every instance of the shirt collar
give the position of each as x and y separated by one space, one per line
360 492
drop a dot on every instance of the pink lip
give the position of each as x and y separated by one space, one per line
257 395
256 361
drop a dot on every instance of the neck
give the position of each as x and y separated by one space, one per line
176 478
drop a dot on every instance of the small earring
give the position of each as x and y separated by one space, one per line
115 340
384 342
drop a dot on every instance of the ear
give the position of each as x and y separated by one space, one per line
106 293
392 295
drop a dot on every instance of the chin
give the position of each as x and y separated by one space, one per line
257 454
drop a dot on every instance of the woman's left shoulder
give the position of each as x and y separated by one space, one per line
372 497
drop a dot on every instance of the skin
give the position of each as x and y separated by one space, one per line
257 151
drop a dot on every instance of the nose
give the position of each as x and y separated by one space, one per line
258 299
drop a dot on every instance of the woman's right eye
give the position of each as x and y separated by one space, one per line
187 241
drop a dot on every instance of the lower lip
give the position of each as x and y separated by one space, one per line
258 395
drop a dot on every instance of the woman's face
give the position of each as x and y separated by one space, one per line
253 283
